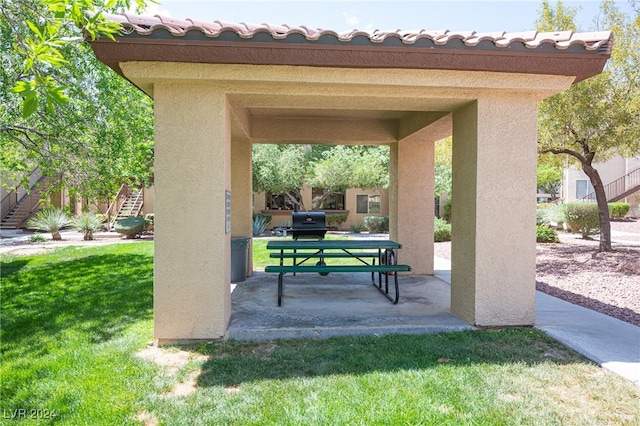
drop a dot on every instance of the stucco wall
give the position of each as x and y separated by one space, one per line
201 108
493 212
192 250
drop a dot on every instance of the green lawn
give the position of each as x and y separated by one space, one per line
261 255
74 320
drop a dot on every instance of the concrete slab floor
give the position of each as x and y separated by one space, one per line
338 305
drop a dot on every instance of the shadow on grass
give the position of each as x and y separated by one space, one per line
233 363
95 295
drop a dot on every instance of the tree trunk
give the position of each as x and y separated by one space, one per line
55 235
603 208
317 203
293 198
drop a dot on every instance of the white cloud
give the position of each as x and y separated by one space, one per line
351 18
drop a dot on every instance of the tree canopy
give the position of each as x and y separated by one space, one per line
443 166
598 117
285 169
63 111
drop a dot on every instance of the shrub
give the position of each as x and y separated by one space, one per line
376 224
447 211
619 210
266 216
149 220
441 231
260 224
549 214
37 237
355 228
582 218
130 227
87 223
546 234
335 219
49 220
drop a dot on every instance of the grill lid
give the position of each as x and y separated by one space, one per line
308 225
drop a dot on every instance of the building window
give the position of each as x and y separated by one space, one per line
278 202
583 188
368 204
326 201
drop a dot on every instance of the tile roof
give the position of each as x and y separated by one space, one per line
142 25
164 39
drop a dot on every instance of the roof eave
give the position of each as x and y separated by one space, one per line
530 61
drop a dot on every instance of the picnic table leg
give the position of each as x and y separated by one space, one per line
373 276
280 275
395 301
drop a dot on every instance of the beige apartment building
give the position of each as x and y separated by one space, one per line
355 203
621 174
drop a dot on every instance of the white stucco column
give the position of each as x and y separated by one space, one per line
192 248
242 194
493 211
416 204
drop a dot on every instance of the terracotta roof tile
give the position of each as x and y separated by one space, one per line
160 38
147 25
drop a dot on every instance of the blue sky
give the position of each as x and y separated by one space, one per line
455 15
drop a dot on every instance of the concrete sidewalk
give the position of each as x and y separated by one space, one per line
607 341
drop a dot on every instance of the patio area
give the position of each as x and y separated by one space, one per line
338 305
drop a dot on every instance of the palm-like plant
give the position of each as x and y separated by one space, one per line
50 220
87 223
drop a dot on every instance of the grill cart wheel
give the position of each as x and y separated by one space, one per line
321 263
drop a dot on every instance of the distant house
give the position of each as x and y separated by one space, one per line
355 203
621 177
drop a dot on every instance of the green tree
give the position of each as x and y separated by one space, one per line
284 169
40 33
281 169
549 179
598 117
91 140
345 167
443 167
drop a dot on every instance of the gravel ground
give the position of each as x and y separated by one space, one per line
574 271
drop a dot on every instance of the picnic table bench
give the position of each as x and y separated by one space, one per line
374 256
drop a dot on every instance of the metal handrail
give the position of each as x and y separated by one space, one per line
4 208
6 204
135 204
114 207
619 188
35 201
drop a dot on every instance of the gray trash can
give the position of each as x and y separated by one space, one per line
239 248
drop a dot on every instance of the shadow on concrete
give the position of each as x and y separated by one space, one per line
338 305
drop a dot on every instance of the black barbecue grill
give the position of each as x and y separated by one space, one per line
311 225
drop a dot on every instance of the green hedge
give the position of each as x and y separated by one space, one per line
335 219
376 224
582 218
619 210
441 230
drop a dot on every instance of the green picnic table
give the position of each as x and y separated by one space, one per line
374 256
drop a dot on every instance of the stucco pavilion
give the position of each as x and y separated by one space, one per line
220 87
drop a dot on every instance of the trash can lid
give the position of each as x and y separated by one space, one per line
239 241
